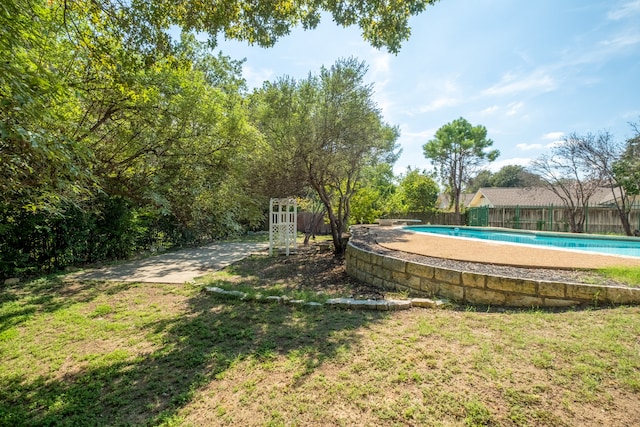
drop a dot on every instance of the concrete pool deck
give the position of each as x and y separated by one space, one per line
396 238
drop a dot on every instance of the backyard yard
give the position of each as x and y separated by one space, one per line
104 353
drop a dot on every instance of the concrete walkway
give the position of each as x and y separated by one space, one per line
174 267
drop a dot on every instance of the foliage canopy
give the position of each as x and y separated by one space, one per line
329 128
457 151
114 137
383 23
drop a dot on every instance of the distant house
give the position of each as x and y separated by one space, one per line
443 202
516 196
539 208
532 196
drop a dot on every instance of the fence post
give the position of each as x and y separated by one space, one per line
586 218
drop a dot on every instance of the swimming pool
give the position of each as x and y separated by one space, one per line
627 246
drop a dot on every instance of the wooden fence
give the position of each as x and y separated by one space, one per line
436 218
599 220
305 220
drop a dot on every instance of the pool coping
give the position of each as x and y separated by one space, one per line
421 279
552 234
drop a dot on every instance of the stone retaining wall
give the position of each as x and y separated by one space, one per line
391 273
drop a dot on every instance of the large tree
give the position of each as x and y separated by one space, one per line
515 176
347 133
329 128
604 155
571 176
418 191
484 178
457 151
507 176
377 194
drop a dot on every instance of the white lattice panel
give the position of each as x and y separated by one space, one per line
283 224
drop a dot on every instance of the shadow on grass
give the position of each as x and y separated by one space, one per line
48 294
198 345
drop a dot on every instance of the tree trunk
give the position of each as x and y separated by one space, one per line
334 221
336 234
311 230
456 208
626 224
623 206
576 220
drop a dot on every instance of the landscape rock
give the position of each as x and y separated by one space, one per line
426 303
399 304
314 304
220 291
237 294
339 302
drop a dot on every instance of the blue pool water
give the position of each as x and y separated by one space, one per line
627 246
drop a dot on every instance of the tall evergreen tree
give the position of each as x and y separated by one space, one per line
457 151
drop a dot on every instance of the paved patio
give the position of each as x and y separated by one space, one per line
175 267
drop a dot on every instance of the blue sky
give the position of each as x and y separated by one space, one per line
529 71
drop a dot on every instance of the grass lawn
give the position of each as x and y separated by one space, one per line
141 354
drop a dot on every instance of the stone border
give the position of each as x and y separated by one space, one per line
348 303
391 273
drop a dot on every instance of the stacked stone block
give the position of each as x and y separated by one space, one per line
387 272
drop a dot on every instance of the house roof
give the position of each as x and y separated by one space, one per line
532 196
443 200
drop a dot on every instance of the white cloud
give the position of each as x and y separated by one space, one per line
379 75
425 134
255 78
439 103
380 64
441 93
510 84
528 147
412 138
412 152
555 139
386 105
604 50
510 110
633 114
497 165
514 108
621 41
625 10
553 135
490 110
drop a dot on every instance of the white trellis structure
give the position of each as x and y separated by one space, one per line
283 224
